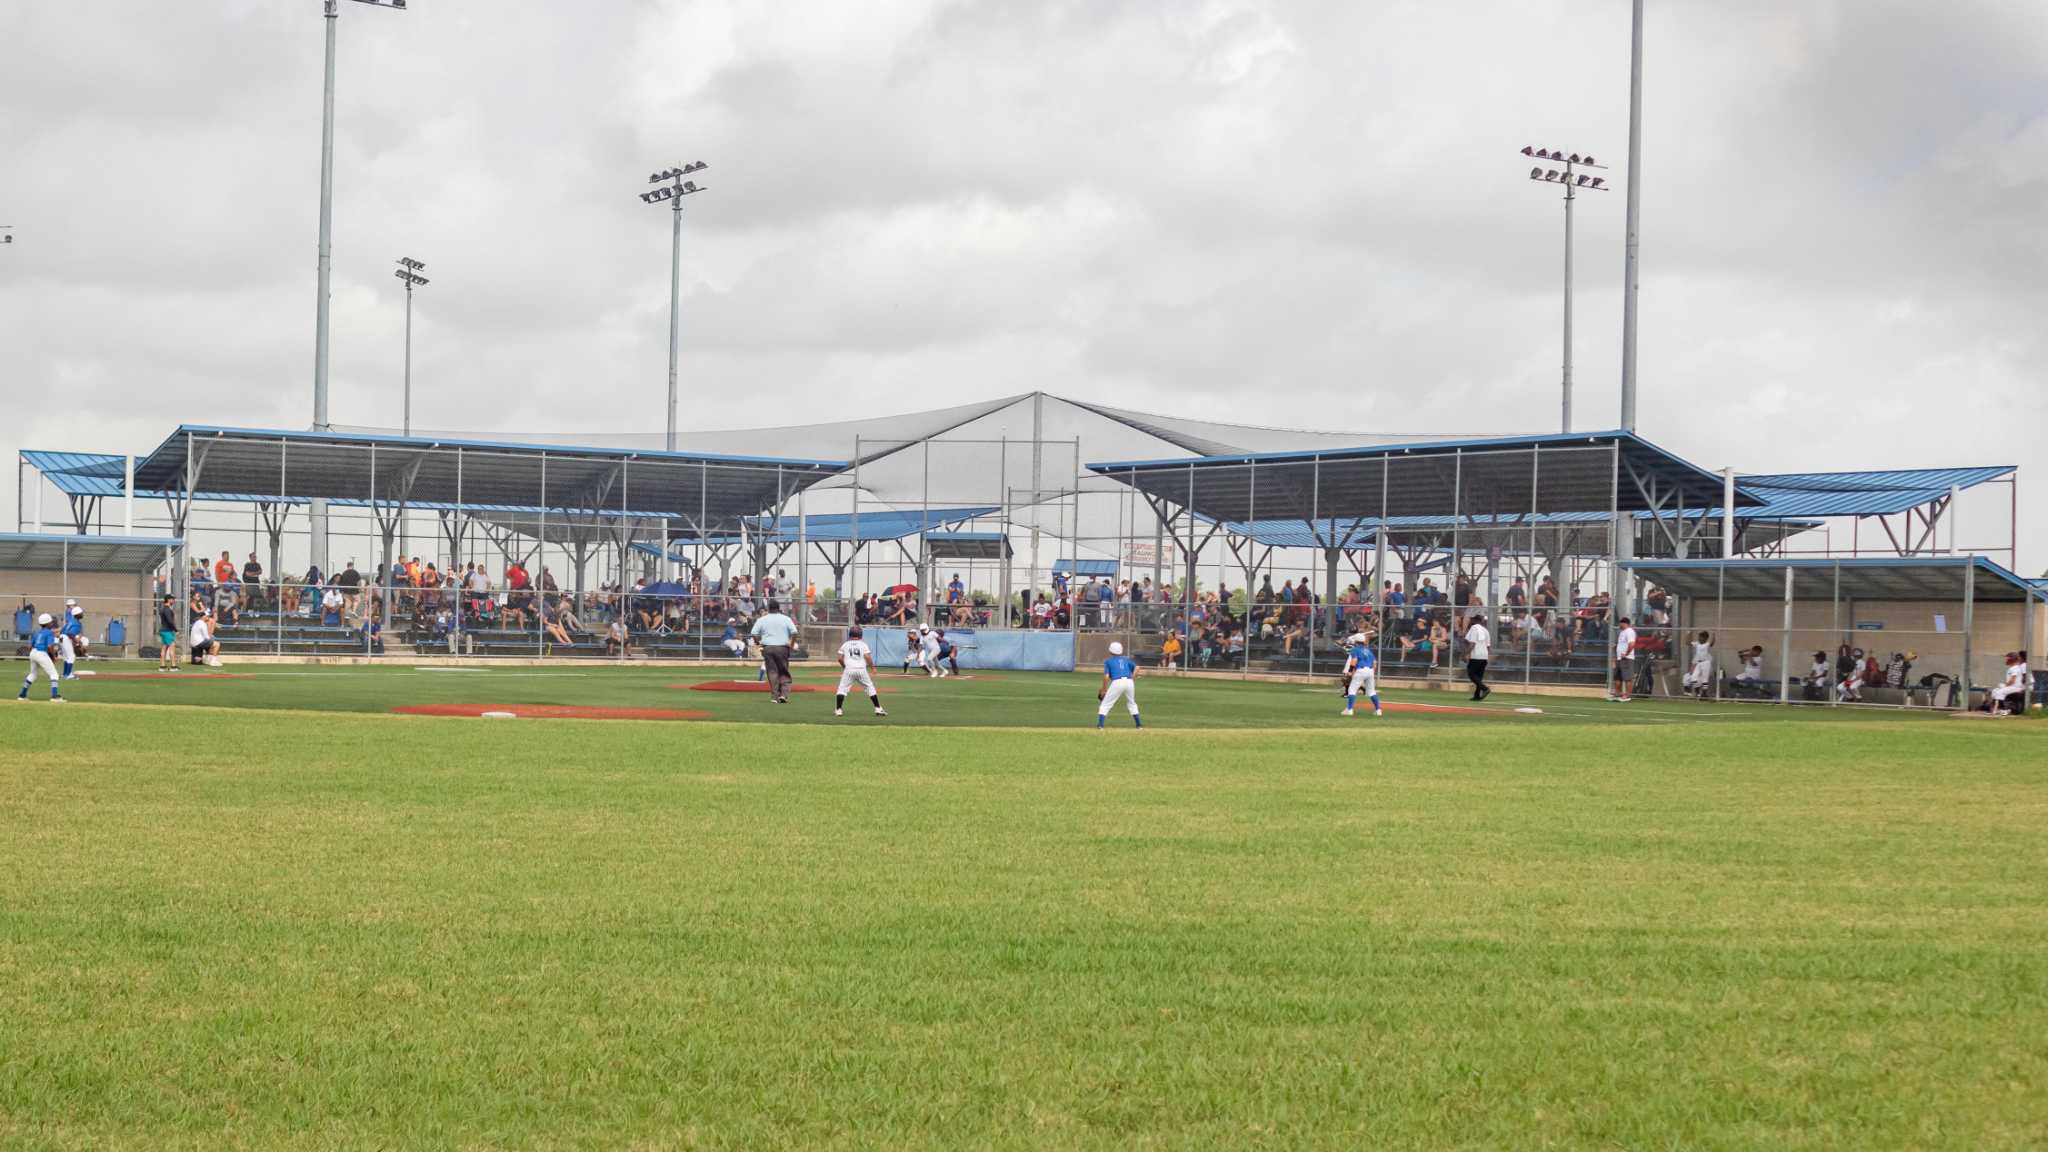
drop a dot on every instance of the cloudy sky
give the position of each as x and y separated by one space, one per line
1297 213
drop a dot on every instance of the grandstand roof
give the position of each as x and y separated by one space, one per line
875 526
1561 472
1930 578
1880 493
45 552
468 473
967 545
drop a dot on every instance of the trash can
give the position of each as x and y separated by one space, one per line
117 636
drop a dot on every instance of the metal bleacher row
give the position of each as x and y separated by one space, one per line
265 633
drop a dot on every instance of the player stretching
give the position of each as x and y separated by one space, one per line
1119 677
39 650
856 666
1361 670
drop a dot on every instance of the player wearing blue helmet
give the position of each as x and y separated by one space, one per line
1361 670
40 646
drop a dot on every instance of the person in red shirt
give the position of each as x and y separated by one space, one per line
224 570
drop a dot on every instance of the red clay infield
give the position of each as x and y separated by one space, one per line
187 676
552 711
742 686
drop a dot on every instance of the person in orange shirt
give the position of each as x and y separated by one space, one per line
224 570
1169 650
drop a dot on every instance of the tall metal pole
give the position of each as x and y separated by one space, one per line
1037 485
317 513
1631 272
1569 197
675 310
408 358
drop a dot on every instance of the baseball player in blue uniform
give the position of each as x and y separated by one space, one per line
39 649
71 638
1361 670
1119 682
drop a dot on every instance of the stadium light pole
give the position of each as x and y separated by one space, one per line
408 270
671 187
1631 265
331 11
1574 182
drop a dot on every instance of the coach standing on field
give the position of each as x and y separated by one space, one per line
776 632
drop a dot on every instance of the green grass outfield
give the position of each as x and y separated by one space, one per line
269 915
997 699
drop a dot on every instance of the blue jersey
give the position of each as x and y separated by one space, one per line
1119 668
74 626
1361 656
45 641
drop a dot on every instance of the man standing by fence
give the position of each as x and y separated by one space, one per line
776 632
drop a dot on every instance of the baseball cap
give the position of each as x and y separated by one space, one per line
43 619
77 611
1116 648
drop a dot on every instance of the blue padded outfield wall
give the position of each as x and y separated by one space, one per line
998 651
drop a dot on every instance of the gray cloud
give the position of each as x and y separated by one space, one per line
1290 213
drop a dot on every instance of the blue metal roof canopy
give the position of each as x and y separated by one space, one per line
1874 493
1562 472
126 555
838 527
699 488
1930 578
1085 568
967 545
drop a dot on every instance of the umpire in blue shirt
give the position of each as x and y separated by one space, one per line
776 633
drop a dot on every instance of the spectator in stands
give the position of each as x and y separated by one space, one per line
1516 596
617 639
564 613
332 604
224 569
1845 662
205 647
351 584
1169 651
288 598
252 581
1439 640
551 622
1292 634
225 610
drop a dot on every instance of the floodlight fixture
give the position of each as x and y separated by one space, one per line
1574 181
670 189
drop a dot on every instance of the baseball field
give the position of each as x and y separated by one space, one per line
271 910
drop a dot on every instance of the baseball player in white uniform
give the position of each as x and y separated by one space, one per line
856 666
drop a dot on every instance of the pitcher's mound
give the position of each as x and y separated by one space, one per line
550 712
